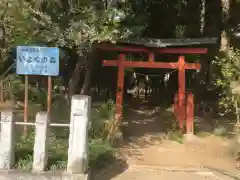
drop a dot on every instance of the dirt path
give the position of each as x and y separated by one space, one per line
146 146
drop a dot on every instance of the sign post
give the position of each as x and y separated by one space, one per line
25 116
34 60
49 98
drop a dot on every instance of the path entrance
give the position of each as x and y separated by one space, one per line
151 142
150 47
149 153
153 173
151 145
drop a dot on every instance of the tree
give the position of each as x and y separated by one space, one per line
225 41
70 25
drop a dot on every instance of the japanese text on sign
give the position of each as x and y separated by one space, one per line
32 60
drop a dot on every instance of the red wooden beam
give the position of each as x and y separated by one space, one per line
110 63
159 50
143 64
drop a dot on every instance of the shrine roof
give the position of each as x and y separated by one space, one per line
162 43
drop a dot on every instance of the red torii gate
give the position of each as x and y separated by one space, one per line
181 65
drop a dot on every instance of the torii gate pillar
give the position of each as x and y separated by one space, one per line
120 88
181 91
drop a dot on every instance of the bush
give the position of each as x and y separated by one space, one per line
101 134
103 122
57 153
226 72
101 152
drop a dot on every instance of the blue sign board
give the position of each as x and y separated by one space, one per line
33 60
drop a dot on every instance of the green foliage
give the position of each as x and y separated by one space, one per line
180 31
176 136
227 64
104 123
57 152
101 152
229 67
37 95
172 126
220 131
203 134
73 26
62 23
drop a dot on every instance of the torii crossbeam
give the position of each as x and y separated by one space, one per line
181 65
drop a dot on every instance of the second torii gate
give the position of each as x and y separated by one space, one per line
181 65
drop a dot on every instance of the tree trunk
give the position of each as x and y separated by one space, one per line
202 16
88 74
75 78
87 79
225 41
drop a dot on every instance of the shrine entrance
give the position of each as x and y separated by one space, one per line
183 103
149 135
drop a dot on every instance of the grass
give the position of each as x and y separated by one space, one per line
101 152
171 126
176 136
57 152
203 134
220 131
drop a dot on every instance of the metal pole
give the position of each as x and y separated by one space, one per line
2 91
49 97
237 109
25 106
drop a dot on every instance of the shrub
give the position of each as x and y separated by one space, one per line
101 151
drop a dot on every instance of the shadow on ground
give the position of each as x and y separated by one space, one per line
139 123
148 123
109 172
145 130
